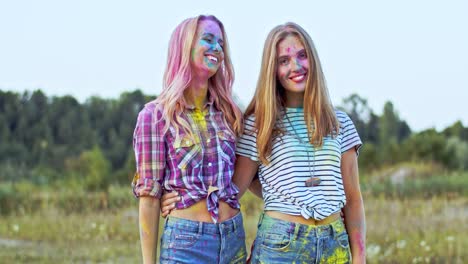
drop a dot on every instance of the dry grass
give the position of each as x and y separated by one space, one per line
420 220
417 230
399 231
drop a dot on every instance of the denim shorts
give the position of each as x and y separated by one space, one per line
280 241
186 241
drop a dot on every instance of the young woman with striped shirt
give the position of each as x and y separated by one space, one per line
184 141
305 153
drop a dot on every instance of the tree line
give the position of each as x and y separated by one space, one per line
57 138
388 139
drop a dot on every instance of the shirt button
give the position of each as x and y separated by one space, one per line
209 164
208 140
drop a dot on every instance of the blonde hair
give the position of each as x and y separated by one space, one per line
178 76
269 99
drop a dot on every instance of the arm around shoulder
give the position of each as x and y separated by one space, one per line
244 172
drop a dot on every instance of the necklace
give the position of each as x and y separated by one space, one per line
312 181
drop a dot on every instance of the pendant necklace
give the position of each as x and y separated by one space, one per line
312 181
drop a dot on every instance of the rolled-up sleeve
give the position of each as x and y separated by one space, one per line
150 154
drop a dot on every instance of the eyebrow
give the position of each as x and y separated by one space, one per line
286 56
213 36
302 50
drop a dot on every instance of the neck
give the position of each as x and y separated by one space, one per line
294 100
197 93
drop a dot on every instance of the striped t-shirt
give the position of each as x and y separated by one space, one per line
293 161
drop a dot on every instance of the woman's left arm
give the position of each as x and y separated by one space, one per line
354 209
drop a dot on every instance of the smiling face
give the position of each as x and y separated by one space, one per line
293 65
207 49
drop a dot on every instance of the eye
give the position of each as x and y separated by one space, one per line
302 55
283 61
221 44
208 39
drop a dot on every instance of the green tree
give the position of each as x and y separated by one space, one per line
99 114
427 146
457 153
70 128
124 116
388 133
91 169
457 130
368 157
359 111
13 152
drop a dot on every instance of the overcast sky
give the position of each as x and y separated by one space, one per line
412 53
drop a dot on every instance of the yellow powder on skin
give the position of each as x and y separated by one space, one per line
199 118
144 229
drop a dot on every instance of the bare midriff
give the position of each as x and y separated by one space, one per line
199 212
301 220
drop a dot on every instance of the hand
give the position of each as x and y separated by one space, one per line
168 201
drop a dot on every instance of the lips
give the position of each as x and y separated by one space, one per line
298 77
212 58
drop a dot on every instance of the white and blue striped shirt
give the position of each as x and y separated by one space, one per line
293 161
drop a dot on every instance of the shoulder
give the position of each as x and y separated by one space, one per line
249 122
341 115
150 113
249 126
343 118
250 118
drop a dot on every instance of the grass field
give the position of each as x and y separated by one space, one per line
403 229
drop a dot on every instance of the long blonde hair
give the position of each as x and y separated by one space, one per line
178 76
269 99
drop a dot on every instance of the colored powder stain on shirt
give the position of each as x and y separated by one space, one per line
193 156
199 118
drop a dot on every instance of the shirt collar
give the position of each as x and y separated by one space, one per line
209 103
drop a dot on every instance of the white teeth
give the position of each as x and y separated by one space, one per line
298 78
212 58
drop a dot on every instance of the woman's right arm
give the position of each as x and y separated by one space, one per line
256 187
244 172
246 159
149 226
150 156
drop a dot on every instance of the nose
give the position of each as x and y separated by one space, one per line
296 65
217 47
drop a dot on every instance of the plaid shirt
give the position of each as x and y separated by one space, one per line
196 167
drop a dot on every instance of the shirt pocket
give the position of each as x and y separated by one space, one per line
227 146
188 156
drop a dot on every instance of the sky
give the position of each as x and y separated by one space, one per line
412 53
